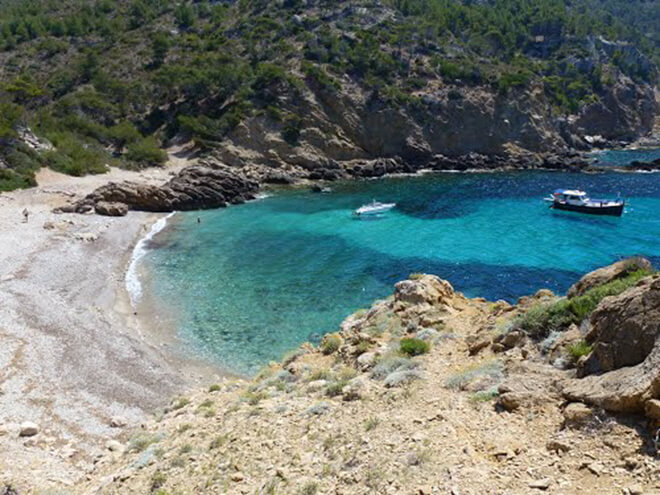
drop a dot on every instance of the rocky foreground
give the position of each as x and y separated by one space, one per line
429 392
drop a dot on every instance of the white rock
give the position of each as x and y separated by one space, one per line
118 422
366 360
317 384
114 446
542 484
28 429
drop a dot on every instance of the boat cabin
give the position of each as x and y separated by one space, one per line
571 196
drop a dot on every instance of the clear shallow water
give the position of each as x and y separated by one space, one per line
253 281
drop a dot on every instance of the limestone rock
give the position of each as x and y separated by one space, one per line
108 209
527 385
623 390
625 328
577 414
366 360
28 429
625 335
652 409
118 422
542 484
477 342
427 289
207 185
607 274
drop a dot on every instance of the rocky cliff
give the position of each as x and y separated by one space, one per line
354 132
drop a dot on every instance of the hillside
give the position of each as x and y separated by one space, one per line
428 392
318 89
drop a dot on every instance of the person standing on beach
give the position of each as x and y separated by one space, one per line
26 214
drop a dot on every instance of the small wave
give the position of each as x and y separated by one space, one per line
133 284
259 196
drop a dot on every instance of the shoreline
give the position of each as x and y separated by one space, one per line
75 354
75 360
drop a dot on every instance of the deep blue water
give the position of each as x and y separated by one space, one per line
251 282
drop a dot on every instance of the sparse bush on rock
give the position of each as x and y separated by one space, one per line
330 343
414 346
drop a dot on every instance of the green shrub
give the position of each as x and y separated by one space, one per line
335 389
540 320
157 480
180 403
579 349
330 343
309 488
214 388
291 129
140 442
74 157
147 151
414 347
371 423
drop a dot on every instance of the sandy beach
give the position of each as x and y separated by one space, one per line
73 357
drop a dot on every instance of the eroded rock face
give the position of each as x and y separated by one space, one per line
626 338
111 209
625 328
607 274
623 390
208 185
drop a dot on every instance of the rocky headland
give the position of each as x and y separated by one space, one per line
427 392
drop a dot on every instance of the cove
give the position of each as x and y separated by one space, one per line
251 282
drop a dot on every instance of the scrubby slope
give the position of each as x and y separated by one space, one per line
318 85
425 392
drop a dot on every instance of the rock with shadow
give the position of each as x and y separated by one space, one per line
622 373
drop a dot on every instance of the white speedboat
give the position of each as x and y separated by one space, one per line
373 208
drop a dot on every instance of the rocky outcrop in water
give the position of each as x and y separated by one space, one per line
203 186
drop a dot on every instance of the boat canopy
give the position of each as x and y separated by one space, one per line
570 192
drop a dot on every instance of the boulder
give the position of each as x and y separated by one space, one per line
118 422
652 409
606 274
626 350
206 185
427 289
111 209
477 342
577 415
528 385
28 429
367 360
623 390
624 328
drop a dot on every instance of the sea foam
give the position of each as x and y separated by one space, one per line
133 284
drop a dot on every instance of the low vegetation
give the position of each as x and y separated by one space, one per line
542 319
414 347
579 349
330 343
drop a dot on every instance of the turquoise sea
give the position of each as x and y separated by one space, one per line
251 282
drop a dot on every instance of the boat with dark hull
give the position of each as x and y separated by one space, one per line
578 201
